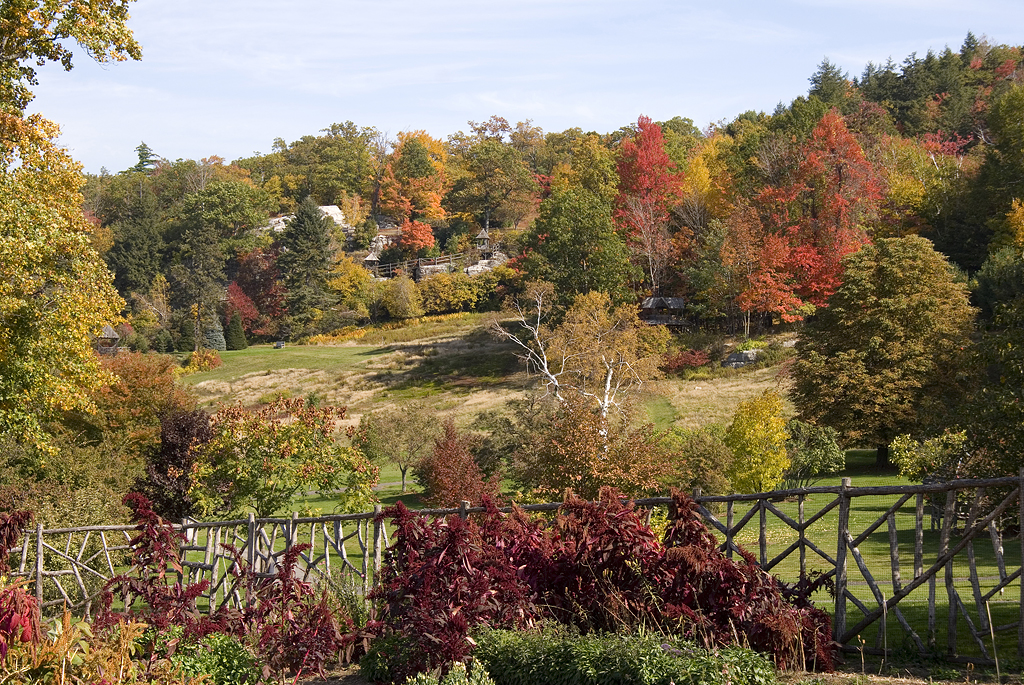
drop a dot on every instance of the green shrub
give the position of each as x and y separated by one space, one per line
385 655
556 655
234 337
222 657
458 675
813 453
774 354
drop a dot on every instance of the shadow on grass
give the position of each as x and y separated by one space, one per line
451 366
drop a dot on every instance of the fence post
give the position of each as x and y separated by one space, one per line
1020 501
948 526
378 541
728 529
463 510
39 564
250 547
839 625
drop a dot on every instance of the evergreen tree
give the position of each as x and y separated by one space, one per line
136 253
305 259
235 336
186 335
829 83
213 336
147 158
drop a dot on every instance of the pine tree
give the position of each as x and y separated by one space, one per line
235 336
305 259
213 336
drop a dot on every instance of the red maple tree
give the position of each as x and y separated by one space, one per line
649 186
817 219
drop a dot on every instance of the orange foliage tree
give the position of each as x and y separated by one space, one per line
822 215
416 236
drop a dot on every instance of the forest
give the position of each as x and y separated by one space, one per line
878 221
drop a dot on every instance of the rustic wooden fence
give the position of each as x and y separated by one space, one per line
884 548
413 267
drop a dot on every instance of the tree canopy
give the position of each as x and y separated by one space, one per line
888 353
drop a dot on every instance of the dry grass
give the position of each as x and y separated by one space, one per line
714 400
455 364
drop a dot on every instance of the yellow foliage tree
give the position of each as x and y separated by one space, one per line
1010 231
55 291
757 438
599 351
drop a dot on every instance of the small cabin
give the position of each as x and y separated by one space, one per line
107 341
664 311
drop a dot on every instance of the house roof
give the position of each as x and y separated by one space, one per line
108 333
663 303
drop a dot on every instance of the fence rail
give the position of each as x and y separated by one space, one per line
884 548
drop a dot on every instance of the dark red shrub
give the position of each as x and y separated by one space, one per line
19 617
441 579
155 550
604 566
12 530
598 566
714 599
686 359
293 625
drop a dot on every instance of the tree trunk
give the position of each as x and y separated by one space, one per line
403 470
882 456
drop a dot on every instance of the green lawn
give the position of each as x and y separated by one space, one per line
258 358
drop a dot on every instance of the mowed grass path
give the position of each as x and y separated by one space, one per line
239 363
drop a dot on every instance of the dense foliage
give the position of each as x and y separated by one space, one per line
554 655
597 568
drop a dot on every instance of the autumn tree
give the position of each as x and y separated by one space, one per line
400 436
649 186
599 351
887 355
55 291
261 459
258 281
757 437
414 180
38 31
581 450
491 174
416 238
449 473
818 217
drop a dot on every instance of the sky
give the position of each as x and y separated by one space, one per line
227 78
